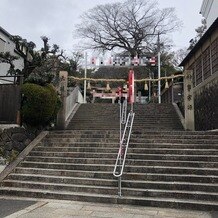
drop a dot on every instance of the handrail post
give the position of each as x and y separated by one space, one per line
119 186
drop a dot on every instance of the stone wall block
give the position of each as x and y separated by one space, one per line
20 137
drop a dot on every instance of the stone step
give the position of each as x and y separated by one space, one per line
71 140
115 120
90 132
128 168
134 162
65 172
74 154
136 140
63 179
88 136
156 127
96 121
112 121
97 117
150 117
117 129
142 132
26 172
172 170
133 136
126 184
175 185
96 124
165 140
195 164
81 144
178 194
135 145
171 177
92 197
161 121
77 149
138 132
92 127
187 157
61 187
68 166
161 145
181 151
70 160
114 150
126 176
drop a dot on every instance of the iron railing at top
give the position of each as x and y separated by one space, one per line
124 143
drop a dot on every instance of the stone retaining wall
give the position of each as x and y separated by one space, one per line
206 107
13 141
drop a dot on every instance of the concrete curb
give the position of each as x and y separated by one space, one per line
22 155
182 119
75 108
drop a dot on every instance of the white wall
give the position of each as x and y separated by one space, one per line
209 10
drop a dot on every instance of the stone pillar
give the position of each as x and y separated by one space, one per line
189 101
63 77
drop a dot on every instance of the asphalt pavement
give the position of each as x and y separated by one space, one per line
9 206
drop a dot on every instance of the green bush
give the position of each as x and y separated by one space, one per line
40 104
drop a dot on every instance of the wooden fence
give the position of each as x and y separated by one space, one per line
10 102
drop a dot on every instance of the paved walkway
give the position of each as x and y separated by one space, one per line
70 209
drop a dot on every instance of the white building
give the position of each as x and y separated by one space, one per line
6 44
209 10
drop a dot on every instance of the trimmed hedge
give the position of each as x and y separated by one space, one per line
40 104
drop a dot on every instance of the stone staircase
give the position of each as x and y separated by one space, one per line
97 116
164 168
157 117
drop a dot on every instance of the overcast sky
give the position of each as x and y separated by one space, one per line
57 18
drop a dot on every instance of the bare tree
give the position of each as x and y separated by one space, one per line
199 33
128 26
48 50
76 60
178 56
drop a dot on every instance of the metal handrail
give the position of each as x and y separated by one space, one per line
124 112
124 143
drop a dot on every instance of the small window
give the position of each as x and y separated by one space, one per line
2 45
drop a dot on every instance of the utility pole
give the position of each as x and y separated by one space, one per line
85 75
159 82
